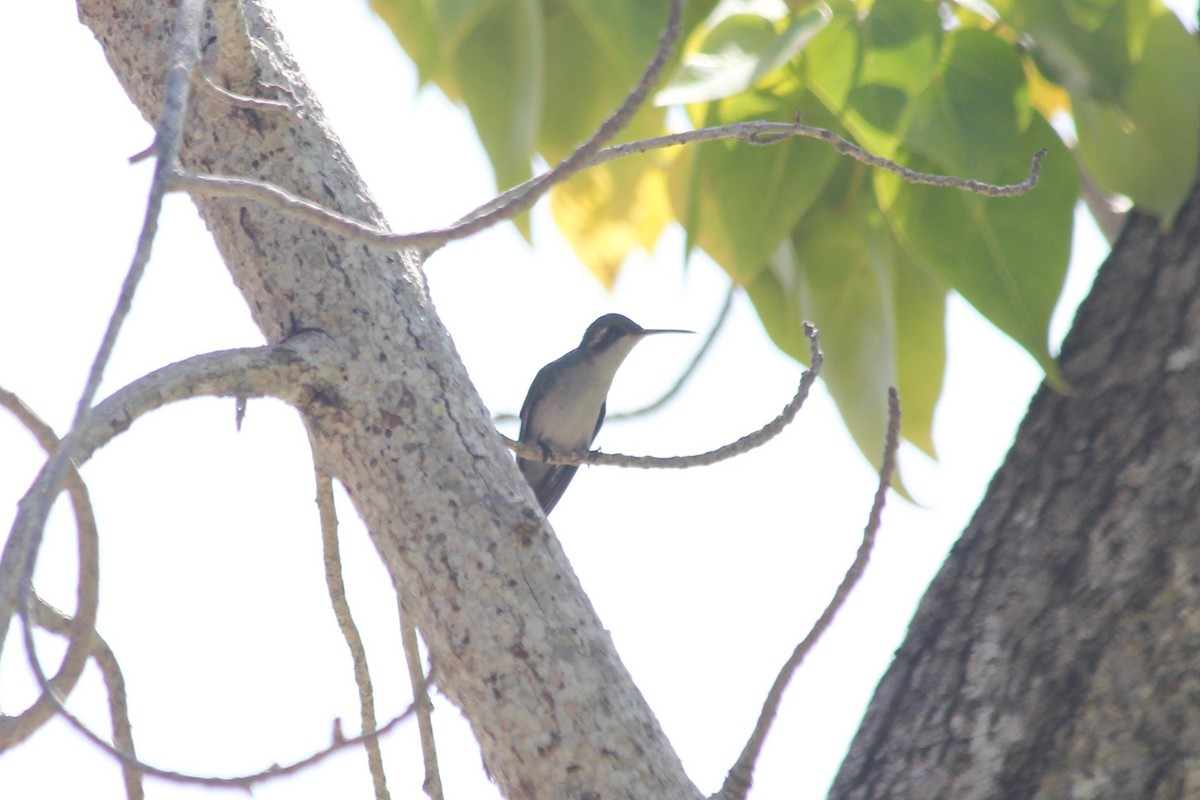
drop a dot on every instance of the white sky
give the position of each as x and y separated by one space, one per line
212 587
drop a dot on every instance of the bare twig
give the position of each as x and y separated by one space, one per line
420 688
80 632
737 782
341 610
243 781
16 572
767 133
742 445
482 218
244 101
292 371
49 618
520 197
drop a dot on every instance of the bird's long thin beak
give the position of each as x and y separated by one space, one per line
662 330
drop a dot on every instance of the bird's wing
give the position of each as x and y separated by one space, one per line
600 419
527 406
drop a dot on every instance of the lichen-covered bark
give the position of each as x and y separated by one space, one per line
1057 654
513 640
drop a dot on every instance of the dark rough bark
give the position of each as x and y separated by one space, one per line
1057 653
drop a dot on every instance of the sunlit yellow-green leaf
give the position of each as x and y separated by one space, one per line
606 211
1048 98
739 201
739 52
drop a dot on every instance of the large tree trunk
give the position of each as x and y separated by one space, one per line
513 640
1057 653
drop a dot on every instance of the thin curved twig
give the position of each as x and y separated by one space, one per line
513 201
283 370
420 689
292 371
583 156
481 218
15 729
49 618
243 781
737 782
16 573
345 621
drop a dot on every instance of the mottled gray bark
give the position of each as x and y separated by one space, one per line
1057 654
513 640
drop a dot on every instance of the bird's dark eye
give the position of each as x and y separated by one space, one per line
610 334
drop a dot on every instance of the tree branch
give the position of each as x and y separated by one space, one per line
281 371
517 199
345 621
15 729
16 573
737 782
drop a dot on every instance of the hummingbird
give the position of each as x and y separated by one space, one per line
565 406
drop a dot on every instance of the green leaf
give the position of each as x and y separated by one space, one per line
844 286
738 53
1005 256
596 53
881 319
739 201
968 120
457 19
920 301
867 69
584 85
498 69
1145 146
627 31
1087 46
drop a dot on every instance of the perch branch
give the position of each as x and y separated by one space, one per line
742 445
